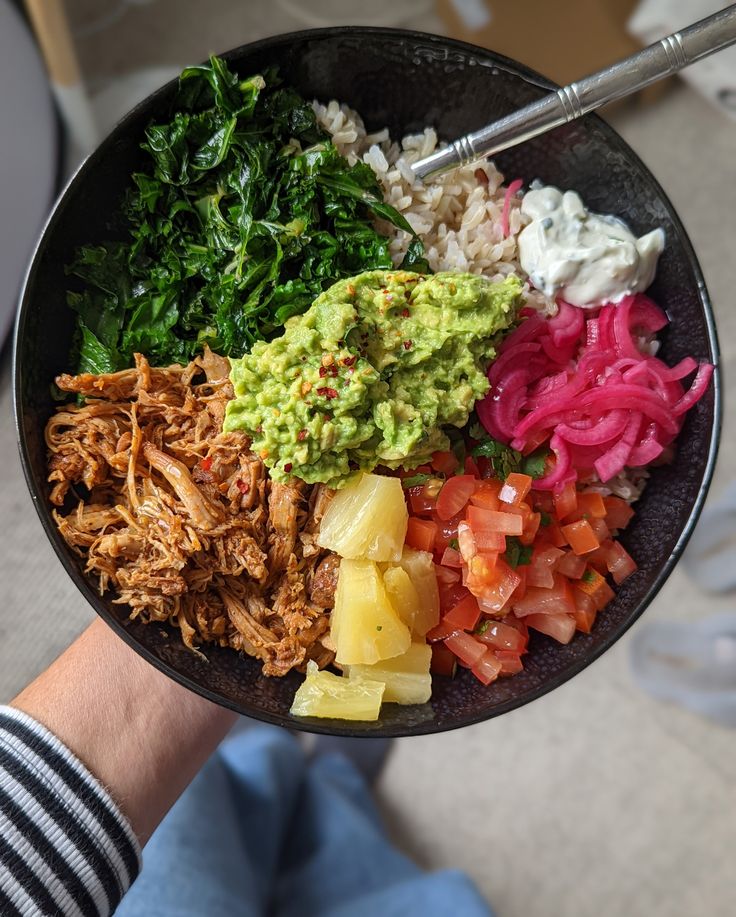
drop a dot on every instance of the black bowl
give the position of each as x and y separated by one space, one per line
403 80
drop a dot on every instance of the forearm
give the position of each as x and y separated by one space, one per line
143 736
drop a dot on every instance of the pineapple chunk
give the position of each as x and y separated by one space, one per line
406 677
366 519
326 695
365 626
420 567
403 595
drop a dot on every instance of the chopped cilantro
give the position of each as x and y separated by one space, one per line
454 544
416 479
482 627
503 459
517 554
534 463
546 519
589 576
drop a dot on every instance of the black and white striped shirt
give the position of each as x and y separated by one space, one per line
65 847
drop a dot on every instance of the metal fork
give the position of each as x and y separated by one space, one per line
653 63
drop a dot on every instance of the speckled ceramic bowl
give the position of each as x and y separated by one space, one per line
403 80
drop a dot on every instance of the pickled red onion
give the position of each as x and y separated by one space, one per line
583 383
510 192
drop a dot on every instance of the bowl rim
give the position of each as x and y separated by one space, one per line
342 727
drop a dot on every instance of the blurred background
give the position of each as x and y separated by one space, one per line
597 798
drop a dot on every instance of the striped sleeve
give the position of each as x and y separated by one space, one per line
65 847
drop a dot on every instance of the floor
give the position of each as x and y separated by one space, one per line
594 799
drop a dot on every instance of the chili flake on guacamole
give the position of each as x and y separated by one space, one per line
371 373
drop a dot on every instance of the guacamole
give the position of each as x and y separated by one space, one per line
371 373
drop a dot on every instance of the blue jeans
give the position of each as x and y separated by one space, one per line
262 830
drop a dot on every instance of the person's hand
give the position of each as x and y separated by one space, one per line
142 735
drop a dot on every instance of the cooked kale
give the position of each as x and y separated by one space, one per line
245 214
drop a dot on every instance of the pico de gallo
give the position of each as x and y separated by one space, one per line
509 558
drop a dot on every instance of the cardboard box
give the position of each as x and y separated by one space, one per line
562 40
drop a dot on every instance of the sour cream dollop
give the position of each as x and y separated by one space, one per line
586 258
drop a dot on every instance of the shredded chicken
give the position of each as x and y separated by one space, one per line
180 519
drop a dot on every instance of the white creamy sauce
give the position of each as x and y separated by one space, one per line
587 258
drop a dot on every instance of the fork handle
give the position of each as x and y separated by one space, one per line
658 60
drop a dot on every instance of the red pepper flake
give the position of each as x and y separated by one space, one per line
407 345
327 392
205 464
302 435
242 486
405 313
348 361
287 467
481 176
351 289
328 371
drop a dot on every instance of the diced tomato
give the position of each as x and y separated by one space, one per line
531 529
482 568
471 466
512 621
420 534
467 649
619 562
559 627
453 558
585 611
446 462
581 536
465 614
511 663
598 559
446 530
591 504
543 502
488 520
555 534
466 541
523 510
566 501
446 576
515 488
454 495
422 499
618 513
571 565
486 494
557 599
485 468
520 591
487 668
543 562
490 541
600 529
595 585
450 595
502 636
493 598
442 631
444 661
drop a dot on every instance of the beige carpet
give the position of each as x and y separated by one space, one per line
593 800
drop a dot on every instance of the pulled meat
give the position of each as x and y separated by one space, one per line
181 521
